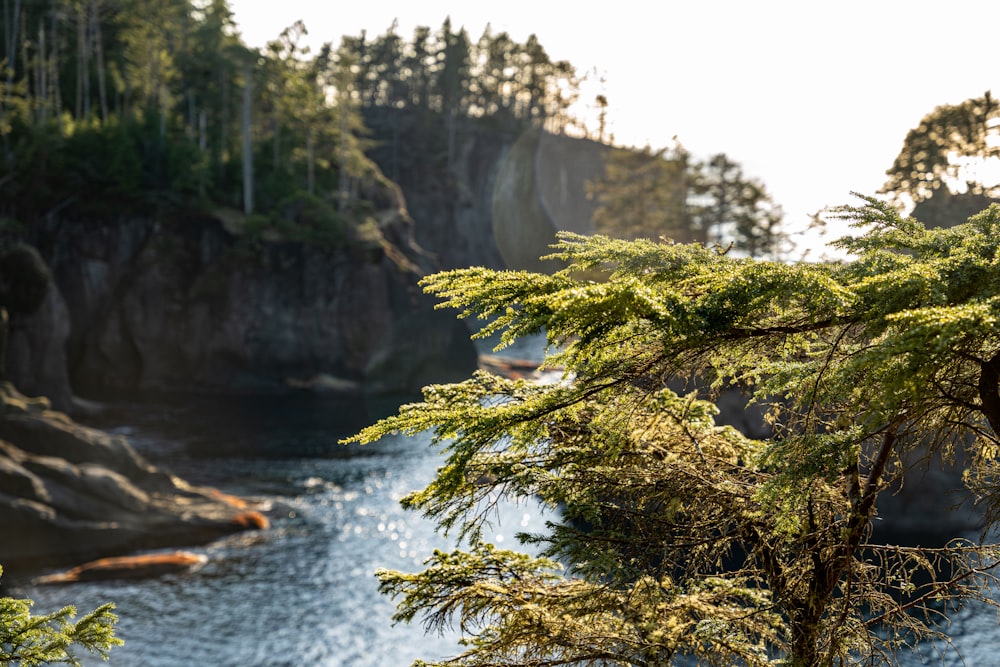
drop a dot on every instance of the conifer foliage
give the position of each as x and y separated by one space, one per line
674 538
28 639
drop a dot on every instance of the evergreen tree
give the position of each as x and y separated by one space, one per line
728 207
352 165
497 73
385 83
642 195
453 81
211 67
418 63
647 194
29 640
948 150
673 538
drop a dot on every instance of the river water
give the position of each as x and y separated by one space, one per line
303 594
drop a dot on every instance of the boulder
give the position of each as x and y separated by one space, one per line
69 493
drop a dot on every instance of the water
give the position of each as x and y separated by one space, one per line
303 593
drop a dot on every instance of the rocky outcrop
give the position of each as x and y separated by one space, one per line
198 303
36 351
69 493
499 197
195 305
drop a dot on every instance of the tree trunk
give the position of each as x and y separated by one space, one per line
56 93
342 162
102 91
247 143
310 163
82 62
4 333
12 21
41 87
989 391
805 644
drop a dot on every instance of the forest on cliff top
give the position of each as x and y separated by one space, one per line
146 105
142 107
111 108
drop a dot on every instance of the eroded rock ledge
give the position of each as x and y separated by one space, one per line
70 493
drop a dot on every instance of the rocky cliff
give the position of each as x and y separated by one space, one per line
191 304
498 196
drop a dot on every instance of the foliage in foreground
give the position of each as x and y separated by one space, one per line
676 537
27 640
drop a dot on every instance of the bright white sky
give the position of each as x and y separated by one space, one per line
812 98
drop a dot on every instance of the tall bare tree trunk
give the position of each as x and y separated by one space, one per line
10 36
202 148
26 65
342 162
12 19
247 143
54 73
83 61
102 90
41 79
223 150
310 162
202 131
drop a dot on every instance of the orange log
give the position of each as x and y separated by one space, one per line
126 567
252 519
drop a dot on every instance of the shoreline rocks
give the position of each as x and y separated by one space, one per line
70 493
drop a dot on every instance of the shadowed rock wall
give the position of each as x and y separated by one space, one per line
145 306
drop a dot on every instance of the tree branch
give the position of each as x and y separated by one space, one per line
737 333
989 390
933 592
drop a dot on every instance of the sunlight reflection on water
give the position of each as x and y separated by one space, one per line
302 593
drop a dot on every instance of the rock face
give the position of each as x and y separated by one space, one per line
197 305
190 306
69 493
36 351
501 197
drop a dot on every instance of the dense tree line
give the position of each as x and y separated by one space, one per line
119 98
668 193
160 102
423 95
447 73
149 103
143 103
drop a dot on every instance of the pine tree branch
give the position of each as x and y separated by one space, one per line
989 390
935 591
